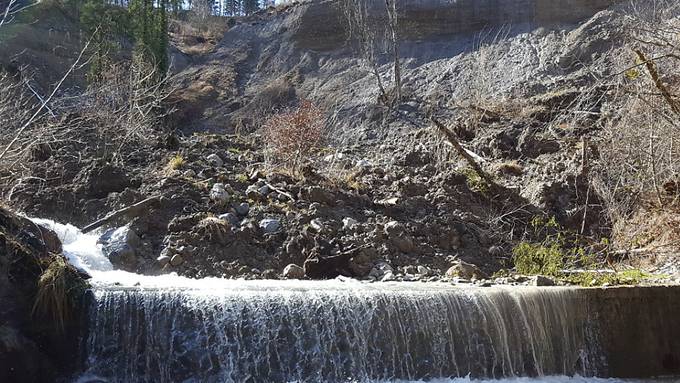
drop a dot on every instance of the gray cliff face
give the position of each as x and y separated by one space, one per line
322 24
451 51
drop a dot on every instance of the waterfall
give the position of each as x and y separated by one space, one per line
336 332
174 329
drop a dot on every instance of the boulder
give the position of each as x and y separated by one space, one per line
465 270
219 194
120 247
293 271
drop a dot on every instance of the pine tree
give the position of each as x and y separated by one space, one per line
232 7
251 6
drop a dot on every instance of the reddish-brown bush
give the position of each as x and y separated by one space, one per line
293 135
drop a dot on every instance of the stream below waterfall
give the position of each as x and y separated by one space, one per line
174 329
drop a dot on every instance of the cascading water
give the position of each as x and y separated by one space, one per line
174 329
335 332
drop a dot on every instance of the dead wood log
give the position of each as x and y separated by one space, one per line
453 140
132 210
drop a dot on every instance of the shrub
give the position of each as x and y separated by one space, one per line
294 135
532 259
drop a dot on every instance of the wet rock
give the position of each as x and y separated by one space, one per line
270 225
176 260
293 271
163 260
231 218
242 209
380 269
540 280
389 276
215 160
119 246
219 194
465 270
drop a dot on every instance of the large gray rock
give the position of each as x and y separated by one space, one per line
120 247
293 271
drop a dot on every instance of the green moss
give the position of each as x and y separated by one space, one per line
622 278
475 182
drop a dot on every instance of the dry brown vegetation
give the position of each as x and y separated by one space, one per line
638 162
293 135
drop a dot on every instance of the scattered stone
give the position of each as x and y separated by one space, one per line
264 190
253 192
317 225
425 271
363 164
215 160
349 223
231 218
270 225
293 271
380 269
189 173
242 208
176 260
219 194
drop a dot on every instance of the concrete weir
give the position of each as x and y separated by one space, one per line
283 331
639 329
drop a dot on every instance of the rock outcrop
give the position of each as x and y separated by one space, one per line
35 346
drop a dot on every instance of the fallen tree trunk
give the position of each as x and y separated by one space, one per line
134 209
453 141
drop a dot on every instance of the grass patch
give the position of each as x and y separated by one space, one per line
60 290
176 162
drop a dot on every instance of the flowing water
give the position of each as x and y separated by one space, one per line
174 329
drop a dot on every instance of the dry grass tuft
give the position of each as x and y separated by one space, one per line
60 290
512 168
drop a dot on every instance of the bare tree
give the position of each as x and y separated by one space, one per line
371 36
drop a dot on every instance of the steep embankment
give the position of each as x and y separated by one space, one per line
386 199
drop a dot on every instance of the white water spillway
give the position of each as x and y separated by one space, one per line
174 329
